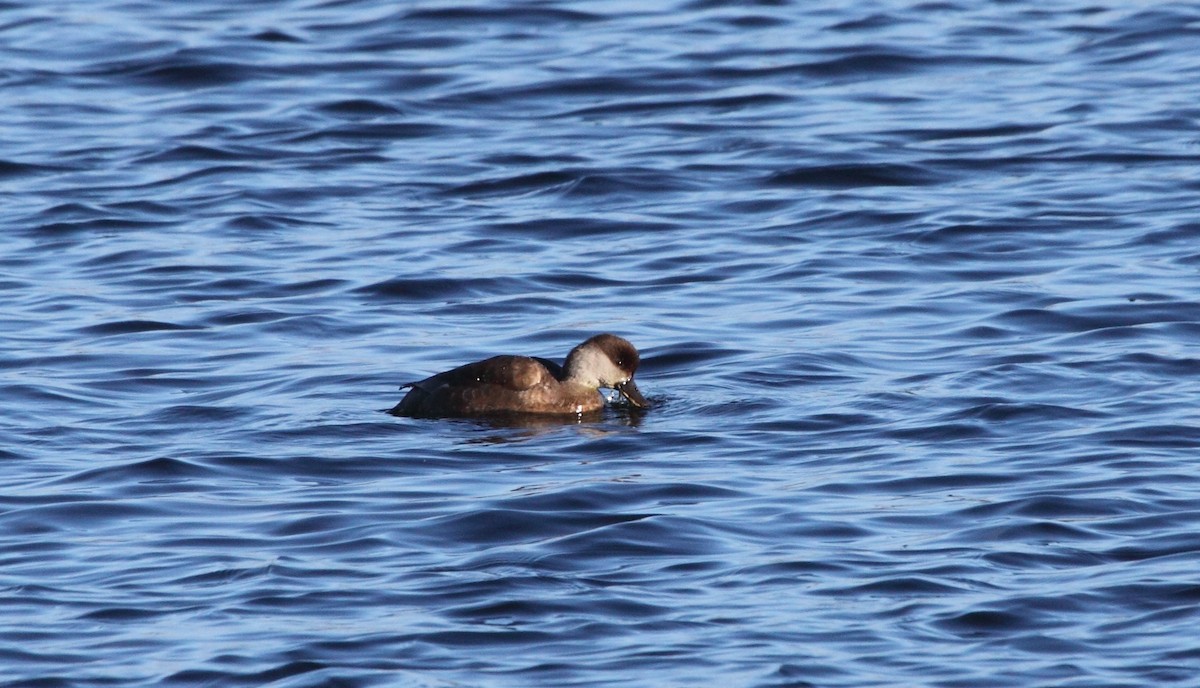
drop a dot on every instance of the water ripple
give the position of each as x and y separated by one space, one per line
913 284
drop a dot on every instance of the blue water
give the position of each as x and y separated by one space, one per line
915 285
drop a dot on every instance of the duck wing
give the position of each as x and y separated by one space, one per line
474 385
516 373
555 369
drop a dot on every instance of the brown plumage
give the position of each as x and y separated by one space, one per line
521 384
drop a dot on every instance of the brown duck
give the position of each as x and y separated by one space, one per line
521 384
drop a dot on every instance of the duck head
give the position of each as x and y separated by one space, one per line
605 360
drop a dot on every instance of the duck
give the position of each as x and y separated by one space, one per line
505 385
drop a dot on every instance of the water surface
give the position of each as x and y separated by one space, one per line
914 284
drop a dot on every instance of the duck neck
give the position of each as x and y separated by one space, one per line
581 366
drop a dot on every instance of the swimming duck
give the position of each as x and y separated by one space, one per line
521 384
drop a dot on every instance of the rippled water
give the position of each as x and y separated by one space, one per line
915 285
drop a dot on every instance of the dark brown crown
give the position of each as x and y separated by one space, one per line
618 350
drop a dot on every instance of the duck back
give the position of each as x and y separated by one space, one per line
498 385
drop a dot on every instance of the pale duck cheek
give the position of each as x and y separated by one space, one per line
592 367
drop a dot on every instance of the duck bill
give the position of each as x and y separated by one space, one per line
631 393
